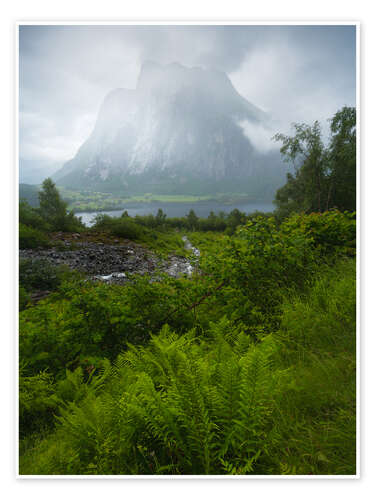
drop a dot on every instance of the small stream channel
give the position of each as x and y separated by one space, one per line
175 266
113 261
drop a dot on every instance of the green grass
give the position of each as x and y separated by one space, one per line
82 201
162 241
165 243
206 241
169 198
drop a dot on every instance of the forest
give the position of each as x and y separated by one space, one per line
245 366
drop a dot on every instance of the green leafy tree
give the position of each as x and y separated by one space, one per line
324 177
54 211
192 220
235 218
160 217
342 156
305 190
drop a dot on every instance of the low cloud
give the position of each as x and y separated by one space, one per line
259 136
300 76
295 73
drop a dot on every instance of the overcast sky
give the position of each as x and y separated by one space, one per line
295 73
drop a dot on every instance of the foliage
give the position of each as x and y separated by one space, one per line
176 407
54 210
222 404
39 274
342 160
148 230
32 238
123 227
224 372
245 278
29 193
52 215
30 216
316 413
325 176
37 402
332 233
307 187
259 264
95 320
23 298
192 220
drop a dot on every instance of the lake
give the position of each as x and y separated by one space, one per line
202 209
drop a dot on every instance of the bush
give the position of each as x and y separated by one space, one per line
331 232
263 261
23 298
37 403
30 216
123 227
256 267
39 274
32 238
97 320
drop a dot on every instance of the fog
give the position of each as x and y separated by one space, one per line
294 73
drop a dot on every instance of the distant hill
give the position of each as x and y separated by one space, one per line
35 171
179 132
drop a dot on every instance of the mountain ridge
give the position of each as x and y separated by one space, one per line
177 131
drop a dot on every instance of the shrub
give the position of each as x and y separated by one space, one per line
32 238
123 227
331 232
256 267
39 274
37 403
23 298
30 216
99 320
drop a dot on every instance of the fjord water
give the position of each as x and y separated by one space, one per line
180 209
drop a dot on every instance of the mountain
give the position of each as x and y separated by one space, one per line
180 131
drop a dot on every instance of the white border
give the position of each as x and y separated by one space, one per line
17 25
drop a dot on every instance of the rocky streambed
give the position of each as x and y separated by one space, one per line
110 260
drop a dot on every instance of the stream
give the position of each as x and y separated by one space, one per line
175 266
112 260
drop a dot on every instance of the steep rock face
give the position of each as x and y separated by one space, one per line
178 131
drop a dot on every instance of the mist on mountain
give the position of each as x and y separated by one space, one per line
181 130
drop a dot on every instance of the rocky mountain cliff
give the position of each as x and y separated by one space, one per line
178 132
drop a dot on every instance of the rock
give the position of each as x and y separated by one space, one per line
99 259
